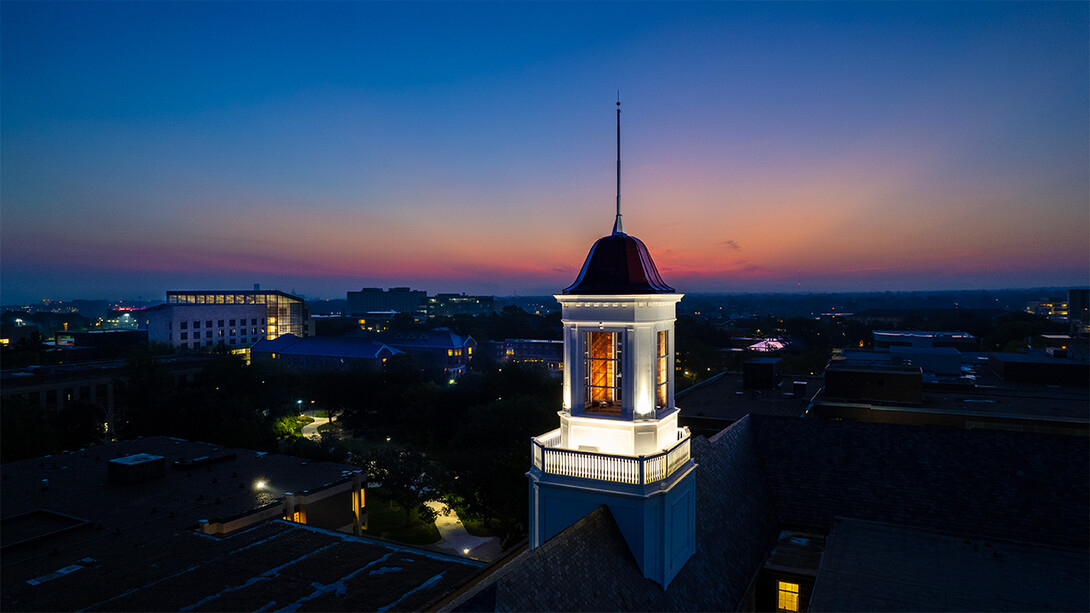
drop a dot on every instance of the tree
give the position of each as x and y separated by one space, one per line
24 431
490 456
406 476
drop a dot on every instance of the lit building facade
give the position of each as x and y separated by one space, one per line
283 312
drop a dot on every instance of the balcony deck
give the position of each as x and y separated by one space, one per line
633 470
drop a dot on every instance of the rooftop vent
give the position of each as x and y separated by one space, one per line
136 468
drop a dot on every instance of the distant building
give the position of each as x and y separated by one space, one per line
322 352
1039 367
962 341
49 388
373 299
1055 309
448 305
936 361
451 351
550 354
1078 310
284 313
205 326
98 344
379 321
1001 391
11 334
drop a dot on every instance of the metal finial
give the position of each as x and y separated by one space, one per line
618 225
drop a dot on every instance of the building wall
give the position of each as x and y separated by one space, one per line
877 384
659 528
196 327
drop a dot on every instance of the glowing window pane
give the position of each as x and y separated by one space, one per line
788 596
603 383
662 361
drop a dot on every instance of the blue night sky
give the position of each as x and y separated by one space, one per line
451 146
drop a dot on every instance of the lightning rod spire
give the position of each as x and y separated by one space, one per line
618 226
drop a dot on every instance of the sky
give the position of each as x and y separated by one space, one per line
323 147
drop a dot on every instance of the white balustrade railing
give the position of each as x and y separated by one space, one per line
642 470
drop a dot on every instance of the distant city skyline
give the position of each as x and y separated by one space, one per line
320 148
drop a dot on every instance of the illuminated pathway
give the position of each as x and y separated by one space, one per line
454 538
311 430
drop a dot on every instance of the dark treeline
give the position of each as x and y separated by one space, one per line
808 304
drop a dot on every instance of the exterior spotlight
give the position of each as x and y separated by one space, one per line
465 551
260 484
387 439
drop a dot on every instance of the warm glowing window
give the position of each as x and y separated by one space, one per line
603 373
662 363
789 596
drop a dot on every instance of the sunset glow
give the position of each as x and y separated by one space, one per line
469 147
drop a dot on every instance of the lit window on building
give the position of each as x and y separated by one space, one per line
662 362
788 596
603 374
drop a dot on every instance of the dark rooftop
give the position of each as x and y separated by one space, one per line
725 397
765 474
872 566
331 346
277 565
90 543
619 264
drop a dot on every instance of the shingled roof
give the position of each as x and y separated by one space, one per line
766 473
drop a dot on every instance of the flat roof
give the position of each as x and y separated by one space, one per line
923 334
725 397
871 566
137 548
273 566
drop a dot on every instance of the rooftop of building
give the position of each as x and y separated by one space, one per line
236 292
438 339
924 334
135 547
332 346
883 567
726 397
97 368
766 474
1037 357
980 391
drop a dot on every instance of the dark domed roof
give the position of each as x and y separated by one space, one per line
619 264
